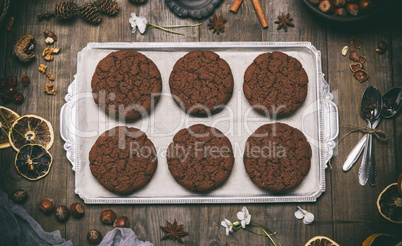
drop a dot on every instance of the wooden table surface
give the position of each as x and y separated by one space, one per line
344 198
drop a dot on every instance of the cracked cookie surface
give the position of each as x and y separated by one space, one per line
277 157
201 82
126 84
123 160
200 158
275 83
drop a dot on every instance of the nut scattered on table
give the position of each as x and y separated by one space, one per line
362 59
353 56
381 47
47 205
121 222
18 98
345 50
12 81
108 217
10 23
20 196
49 75
361 75
357 43
25 81
355 66
77 210
23 48
50 37
94 237
49 89
48 53
62 213
42 68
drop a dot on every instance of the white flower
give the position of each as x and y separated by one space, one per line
138 22
244 217
307 217
228 225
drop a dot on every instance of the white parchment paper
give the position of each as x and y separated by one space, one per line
237 121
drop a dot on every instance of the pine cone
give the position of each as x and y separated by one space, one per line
91 13
65 10
138 1
108 7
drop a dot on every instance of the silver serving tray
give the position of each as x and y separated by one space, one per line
82 122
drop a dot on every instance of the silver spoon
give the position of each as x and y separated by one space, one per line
371 106
391 105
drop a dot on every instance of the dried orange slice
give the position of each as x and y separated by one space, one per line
33 161
321 241
7 118
399 183
380 239
31 129
389 204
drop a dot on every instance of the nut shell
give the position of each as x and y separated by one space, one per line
360 75
19 196
23 48
121 222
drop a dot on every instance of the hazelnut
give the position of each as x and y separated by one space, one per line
12 81
94 236
50 34
339 3
340 12
326 6
352 8
361 75
62 213
20 196
10 91
353 56
2 84
77 210
47 205
18 98
365 5
381 47
108 217
25 81
121 222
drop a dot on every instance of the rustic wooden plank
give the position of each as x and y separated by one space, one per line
359 200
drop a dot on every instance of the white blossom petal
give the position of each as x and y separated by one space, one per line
142 24
308 218
241 215
243 223
299 215
248 219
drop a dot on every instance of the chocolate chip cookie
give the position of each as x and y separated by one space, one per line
275 84
126 84
200 158
123 160
201 82
277 157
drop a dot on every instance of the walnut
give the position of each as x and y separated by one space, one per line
49 75
42 68
48 53
23 48
49 89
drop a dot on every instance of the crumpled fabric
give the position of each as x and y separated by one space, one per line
122 237
18 228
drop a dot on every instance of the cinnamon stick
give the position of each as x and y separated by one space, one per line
260 13
235 5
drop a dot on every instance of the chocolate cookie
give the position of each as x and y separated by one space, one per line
277 157
126 84
123 160
275 84
201 82
200 158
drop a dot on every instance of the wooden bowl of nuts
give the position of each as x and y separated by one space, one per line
348 10
4 4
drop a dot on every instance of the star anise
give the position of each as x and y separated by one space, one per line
173 231
284 21
217 23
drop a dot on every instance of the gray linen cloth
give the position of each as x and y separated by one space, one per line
18 228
